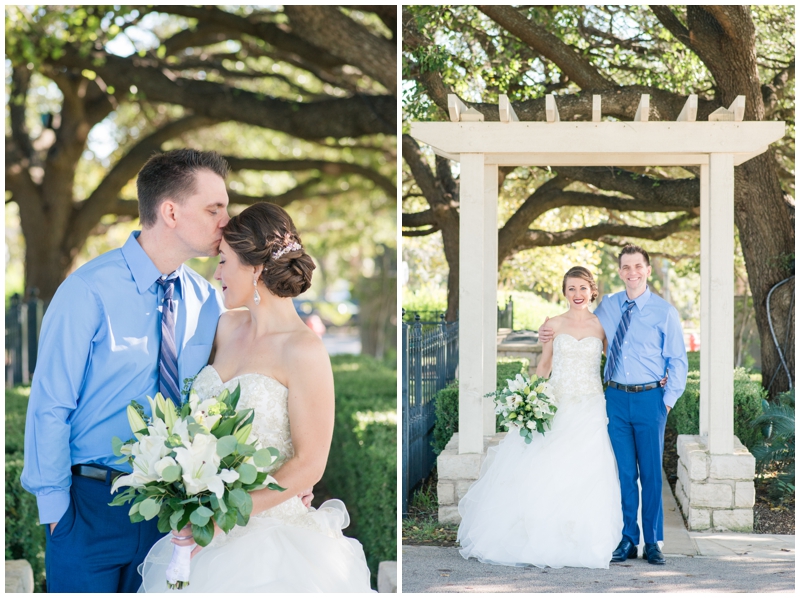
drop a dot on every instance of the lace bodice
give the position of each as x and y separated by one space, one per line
269 400
576 368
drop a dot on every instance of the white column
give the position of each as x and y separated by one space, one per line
719 343
471 300
490 296
705 299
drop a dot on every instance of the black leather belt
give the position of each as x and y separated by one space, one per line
96 472
634 387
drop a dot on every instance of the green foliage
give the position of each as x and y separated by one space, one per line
447 401
748 394
446 416
25 538
362 467
776 452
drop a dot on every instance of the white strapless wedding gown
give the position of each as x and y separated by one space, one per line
288 548
556 501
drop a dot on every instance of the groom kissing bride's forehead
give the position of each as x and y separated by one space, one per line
128 324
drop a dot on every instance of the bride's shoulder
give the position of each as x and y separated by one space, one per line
304 348
230 320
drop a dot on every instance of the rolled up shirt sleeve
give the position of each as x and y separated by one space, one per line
65 345
674 352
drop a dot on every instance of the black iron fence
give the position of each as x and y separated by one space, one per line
23 323
505 317
430 359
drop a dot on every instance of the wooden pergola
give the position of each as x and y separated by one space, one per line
481 147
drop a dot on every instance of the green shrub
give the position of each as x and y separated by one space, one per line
362 468
446 405
747 397
24 536
447 401
694 360
776 451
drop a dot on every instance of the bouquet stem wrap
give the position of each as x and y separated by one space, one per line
179 567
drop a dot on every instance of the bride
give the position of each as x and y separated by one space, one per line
285 375
556 501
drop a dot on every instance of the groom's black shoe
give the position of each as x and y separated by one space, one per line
653 554
626 550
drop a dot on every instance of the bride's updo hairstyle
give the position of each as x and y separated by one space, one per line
264 234
583 274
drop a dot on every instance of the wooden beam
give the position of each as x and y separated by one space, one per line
596 113
551 109
689 111
507 113
598 159
658 137
643 111
455 106
737 109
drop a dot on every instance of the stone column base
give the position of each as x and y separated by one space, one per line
715 491
457 473
387 577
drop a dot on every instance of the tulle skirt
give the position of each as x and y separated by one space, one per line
302 553
552 503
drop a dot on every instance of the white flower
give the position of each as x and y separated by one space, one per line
517 384
200 462
148 451
531 425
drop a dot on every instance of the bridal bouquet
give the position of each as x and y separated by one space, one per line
527 403
193 466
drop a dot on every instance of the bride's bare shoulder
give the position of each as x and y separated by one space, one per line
304 350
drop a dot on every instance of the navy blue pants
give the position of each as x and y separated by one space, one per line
95 547
636 427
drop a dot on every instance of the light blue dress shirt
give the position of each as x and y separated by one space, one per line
652 345
98 350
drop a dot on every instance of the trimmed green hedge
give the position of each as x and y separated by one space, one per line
747 395
447 401
362 467
24 536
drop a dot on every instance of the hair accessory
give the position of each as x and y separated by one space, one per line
256 296
293 246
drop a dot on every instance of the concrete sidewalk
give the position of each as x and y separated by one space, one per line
438 569
696 562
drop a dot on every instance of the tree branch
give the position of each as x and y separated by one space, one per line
540 238
422 233
224 22
345 117
328 27
545 43
326 167
424 218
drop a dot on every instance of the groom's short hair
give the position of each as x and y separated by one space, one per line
172 174
629 249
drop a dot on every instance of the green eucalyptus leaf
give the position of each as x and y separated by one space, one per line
226 445
247 473
171 473
203 534
149 508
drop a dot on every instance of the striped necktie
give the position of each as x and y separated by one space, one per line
168 356
616 346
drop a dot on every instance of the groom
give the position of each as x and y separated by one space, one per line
645 340
128 324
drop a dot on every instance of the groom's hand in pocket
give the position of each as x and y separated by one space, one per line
53 527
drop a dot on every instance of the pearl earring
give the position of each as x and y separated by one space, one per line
256 296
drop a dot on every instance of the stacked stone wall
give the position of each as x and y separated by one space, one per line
715 491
